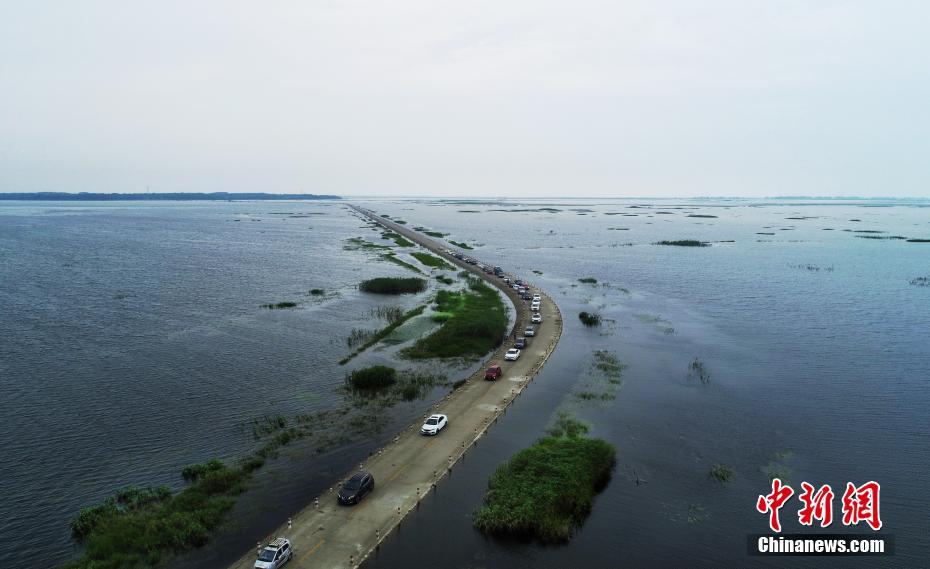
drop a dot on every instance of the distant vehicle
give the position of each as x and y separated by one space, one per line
480 266
520 343
507 280
434 424
512 355
534 307
498 271
275 554
536 319
356 488
530 331
493 372
537 298
518 282
470 261
525 296
487 270
516 287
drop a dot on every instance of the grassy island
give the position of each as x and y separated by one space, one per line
393 285
465 246
590 318
547 490
474 323
373 377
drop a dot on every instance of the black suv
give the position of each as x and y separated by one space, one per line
356 488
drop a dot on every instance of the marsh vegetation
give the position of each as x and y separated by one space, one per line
460 245
722 473
546 491
376 337
696 369
392 258
280 305
474 322
393 285
590 319
684 243
431 261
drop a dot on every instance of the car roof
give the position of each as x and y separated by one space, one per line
359 476
277 543
436 416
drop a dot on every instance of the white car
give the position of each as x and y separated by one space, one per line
537 298
535 307
512 355
275 554
434 424
530 331
537 318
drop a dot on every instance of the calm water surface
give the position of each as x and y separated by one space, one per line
134 344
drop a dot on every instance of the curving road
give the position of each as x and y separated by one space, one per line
326 535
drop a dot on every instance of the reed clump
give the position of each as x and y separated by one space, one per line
393 285
590 319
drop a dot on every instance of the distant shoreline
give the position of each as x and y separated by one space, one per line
174 196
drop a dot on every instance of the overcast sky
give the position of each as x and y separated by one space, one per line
467 98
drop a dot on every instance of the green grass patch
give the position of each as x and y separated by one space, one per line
393 259
590 319
445 280
918 240
383 333
393 285
397 238
437 234
722 473
431 261
280 305
546 491
588 280
685 243
373 377
317 292
141 527
465 246
356 243
476 324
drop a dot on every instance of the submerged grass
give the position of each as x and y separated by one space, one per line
397 238
372 377
475 324
460 245
376 337
722 473
588 280
393 285
431 261
547 490
393 259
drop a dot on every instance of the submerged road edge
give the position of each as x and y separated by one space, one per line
326 535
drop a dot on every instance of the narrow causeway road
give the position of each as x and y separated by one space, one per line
326 535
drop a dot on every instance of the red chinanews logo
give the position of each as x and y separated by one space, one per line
860 504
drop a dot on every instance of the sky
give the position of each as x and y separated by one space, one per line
477 98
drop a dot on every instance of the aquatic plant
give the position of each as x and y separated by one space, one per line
431 260
547 490
437 234
317 292
356 243
590 318
588 280
196 471
888 237
389 313
721 473
444 279
918 240
476 324
696 367
685 243
383 333
393 259
397 238
919 281
701 215
357 336
393 285
280 305
460 245
372 377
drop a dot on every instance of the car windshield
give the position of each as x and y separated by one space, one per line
267 555
432 421
353 484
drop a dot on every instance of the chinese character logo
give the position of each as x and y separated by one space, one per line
860 504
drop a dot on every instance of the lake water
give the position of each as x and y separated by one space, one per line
134 343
